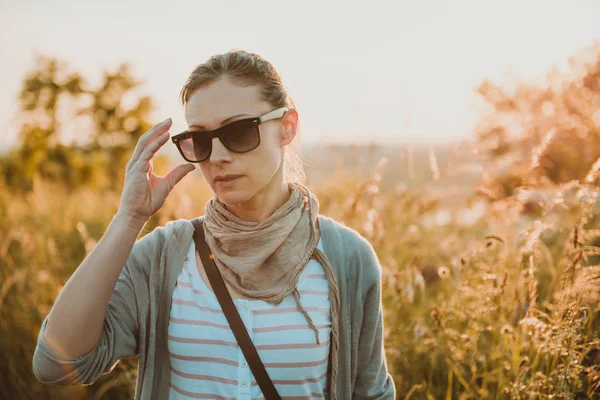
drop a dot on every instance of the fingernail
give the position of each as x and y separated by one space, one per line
166 121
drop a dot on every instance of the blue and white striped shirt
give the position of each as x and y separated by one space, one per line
206 361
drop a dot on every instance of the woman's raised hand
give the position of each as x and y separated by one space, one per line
144 192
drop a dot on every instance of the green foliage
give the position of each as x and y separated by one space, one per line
104 123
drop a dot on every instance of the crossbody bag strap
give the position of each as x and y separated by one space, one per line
232 315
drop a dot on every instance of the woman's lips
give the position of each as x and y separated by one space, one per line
229 181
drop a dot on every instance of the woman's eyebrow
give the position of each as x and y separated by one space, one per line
222 123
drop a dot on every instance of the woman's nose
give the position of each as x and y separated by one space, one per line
220 153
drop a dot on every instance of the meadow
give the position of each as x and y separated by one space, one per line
482 299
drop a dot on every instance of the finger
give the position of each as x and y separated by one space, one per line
144 161
148 137
152 148
177 174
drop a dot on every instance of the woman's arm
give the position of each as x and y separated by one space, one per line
95 315
76 318
119 327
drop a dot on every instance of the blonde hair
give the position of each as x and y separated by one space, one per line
245 68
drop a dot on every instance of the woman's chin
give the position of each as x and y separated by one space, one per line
232 197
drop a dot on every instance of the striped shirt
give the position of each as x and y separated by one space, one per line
206 361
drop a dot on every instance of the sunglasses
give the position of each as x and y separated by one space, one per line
239 136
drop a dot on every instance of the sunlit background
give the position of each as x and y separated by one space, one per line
460 138
395 71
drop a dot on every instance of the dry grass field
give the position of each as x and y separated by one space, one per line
483 299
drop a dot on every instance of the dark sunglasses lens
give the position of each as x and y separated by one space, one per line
196 148
241 137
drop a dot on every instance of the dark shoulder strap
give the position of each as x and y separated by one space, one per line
231 313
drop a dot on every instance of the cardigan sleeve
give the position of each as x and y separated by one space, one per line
119 336
372 380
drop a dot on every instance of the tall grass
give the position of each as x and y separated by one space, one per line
502 304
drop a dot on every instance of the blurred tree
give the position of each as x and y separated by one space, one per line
54 101
117 126
542 135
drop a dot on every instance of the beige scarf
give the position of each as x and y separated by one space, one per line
263 260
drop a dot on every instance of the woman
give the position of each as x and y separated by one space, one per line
307 288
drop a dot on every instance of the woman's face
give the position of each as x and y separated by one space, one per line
223 102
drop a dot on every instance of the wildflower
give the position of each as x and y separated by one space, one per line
443 272
506 330
532 322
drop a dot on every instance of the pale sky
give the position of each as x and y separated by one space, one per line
357 71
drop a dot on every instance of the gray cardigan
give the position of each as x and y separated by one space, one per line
137 317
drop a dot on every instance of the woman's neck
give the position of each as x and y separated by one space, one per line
264 204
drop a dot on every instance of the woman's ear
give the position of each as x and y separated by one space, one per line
290 127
